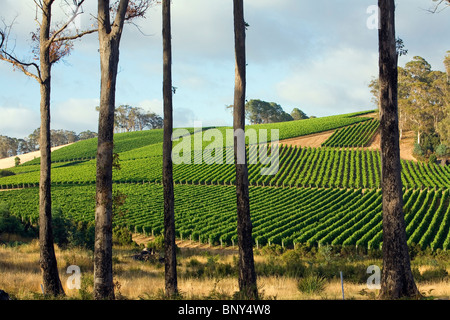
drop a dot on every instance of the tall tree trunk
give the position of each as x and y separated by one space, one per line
170 261
109 39
52 284
247 275
397 280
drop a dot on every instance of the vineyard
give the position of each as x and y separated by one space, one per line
284 216
358 135
297 167
328 195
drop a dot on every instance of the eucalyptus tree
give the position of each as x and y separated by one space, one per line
170 261
397 280
49 46
109 34
247 275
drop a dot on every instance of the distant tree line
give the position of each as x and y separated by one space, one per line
128 118
259 112
423 105
15 146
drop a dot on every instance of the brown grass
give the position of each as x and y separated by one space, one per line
20 276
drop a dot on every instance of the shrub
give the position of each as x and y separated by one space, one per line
439 274
122 236
294 266
211 269
417 150
432 159
9 223
61 228
441 150
68 233
5 173
272 249
157 244
83 235
311 284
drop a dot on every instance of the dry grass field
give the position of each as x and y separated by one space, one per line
20 275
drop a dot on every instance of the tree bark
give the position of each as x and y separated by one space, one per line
109 40
247 275
51 281
397 280
170 261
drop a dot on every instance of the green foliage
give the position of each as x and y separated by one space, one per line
68 233
432 159
312 284
318 195
83 235
87 287
442 150
307 167
429 142
358 135
122 236
9 223
6 173
213 268
61 228
272 249
294 266
436 274
418 149
206 213
157 244
16 161
298 114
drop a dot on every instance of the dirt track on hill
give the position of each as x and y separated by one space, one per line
316 140
10 162
313 140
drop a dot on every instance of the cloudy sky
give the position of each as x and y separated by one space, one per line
318 56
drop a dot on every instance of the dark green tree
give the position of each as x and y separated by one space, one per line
298 114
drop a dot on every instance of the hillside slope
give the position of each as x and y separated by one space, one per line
26 157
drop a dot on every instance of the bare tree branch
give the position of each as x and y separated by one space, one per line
64 27
9 56
76 36
21 65
435 9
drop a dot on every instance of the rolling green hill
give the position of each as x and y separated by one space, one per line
327 195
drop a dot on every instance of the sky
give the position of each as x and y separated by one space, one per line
318 56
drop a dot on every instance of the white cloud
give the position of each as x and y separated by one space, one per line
183 117
315 55
155 106
336 83
75 114
18 122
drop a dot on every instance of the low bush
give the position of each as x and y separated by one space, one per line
5 173
312 284
10 224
